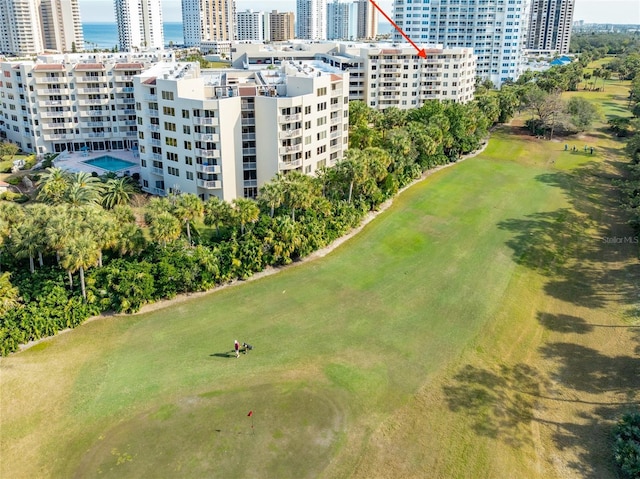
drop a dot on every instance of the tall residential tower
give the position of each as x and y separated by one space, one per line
311 19
495 29
208 21
139 24
367 20
281 26
550 25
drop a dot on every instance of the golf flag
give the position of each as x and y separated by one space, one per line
250 413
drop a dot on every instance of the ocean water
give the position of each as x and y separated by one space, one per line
105 35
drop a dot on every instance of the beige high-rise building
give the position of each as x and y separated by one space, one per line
367 20
550 25
61 25
282 26
208 21
32 26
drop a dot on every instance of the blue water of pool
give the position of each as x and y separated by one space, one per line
110 163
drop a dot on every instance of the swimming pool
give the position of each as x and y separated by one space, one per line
110 163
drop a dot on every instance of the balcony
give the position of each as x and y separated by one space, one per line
336 120
151 97
156 156
54 103
289 118
335 134
289 165
58 137
248 121
56 114
155 142
249 165
49 126
126 101
131 133
93 90
210 184
157 171
151 112
248 151
96 79
208 153
50 79
90 124
335 147
53 91
290 133
205 121
128 111
124 89
95 101
130 122
248 136
207 137
290 149
153 127
209 169
123 78
336 106
97 135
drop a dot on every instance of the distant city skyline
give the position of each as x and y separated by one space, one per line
591 11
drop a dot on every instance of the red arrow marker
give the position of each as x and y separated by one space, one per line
421 53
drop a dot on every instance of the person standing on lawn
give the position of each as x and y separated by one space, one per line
236 346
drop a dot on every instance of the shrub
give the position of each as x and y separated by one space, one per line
626 448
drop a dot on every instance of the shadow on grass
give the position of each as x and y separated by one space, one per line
229 354
564 323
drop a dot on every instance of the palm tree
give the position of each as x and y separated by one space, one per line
217 212
156 205
9 294
298 192
54 186
59 230
101 226
84 189
188 207
117 191
11 214
164 228
129 239
247 211
79 254
272 194
28 236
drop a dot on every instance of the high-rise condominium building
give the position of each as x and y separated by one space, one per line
224 133
68 102
281 26
208 21
32 26
367 20
495 29
342 20
550 25
311 19
139 24
253 26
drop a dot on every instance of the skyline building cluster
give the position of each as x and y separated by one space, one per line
34 26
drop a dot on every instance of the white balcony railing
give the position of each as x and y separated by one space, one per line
209 169
210 184
289 165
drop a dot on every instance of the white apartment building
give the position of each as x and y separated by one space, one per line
253 26
30 27
550 25
382 75
342 20
139 24
367 20
224 133
71 102
495 29
311 16
208 21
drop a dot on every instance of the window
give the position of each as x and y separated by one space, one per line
169 111
186 129
185 113
189 175
173 171
321 121
307 110
171 141
188 160
322 106
321 91
167 95
322 135
169 126
187 145
322 149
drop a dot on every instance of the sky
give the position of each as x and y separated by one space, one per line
591 11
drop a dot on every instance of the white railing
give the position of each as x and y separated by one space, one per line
207 136
157 171
210 169
290 149
210 184
205 121
289 118
289 165
208 153
291 133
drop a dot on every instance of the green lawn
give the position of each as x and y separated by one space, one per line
430 345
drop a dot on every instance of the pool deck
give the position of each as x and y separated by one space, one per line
74 161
